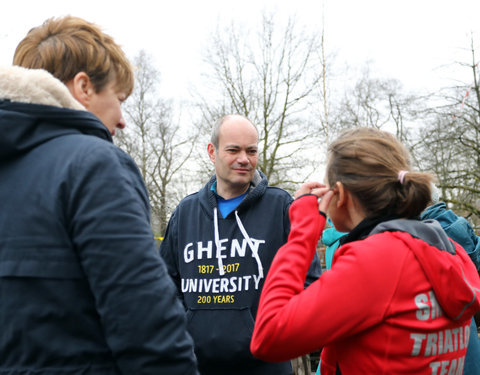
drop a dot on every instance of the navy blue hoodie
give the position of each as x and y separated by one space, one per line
219 265
82 287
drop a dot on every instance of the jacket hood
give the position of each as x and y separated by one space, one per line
257 189
36 107
457 228
450 271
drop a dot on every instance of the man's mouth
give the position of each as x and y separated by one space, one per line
242 170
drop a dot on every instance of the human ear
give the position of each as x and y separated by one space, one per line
211 152
81 88
341 194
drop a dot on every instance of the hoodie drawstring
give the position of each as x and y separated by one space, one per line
217 242
245 235
252 247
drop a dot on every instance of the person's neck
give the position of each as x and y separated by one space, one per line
229 192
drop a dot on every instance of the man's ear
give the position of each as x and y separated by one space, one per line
211 152
81 88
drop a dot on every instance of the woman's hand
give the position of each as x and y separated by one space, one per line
320 190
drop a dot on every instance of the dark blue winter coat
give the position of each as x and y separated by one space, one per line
219 265
82 288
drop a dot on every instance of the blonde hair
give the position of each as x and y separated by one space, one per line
69 45
368 162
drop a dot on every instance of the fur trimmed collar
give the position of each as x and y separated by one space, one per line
35 86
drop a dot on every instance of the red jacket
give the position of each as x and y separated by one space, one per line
392 303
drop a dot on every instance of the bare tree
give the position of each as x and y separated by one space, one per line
379 103
452 144
155 141
269 77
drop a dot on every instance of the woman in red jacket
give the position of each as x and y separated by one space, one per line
400 295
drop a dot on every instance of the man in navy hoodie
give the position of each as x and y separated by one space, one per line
218 247
83 288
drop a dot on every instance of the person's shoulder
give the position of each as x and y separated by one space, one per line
97 148
376 248
376 240
90 154
278 193
188 200
81 141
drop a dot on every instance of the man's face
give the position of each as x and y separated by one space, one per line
106 105
236 157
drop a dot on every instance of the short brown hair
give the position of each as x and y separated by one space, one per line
69 45
367 162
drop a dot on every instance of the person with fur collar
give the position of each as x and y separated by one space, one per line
83 288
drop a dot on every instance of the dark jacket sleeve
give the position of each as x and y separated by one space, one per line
315 269
169 251
108 212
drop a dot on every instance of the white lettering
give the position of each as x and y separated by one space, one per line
257 281
224 285
436 309
453 367
417 342
448 347
188 284
204 250
441 342
256 245
462 346
431 348
207 250
221 249
215 285
220 285
455 337
423 311
235 284
207 283
434 366
467 335
443 370
428 306
236 248
247 281
461 364
188 253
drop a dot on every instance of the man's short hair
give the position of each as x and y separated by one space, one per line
69 45
218 124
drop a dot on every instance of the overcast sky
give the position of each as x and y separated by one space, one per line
415 41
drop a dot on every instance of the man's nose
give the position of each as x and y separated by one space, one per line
242 158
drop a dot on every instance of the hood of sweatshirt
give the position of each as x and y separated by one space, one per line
457 228
208 201
36 107
452 274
